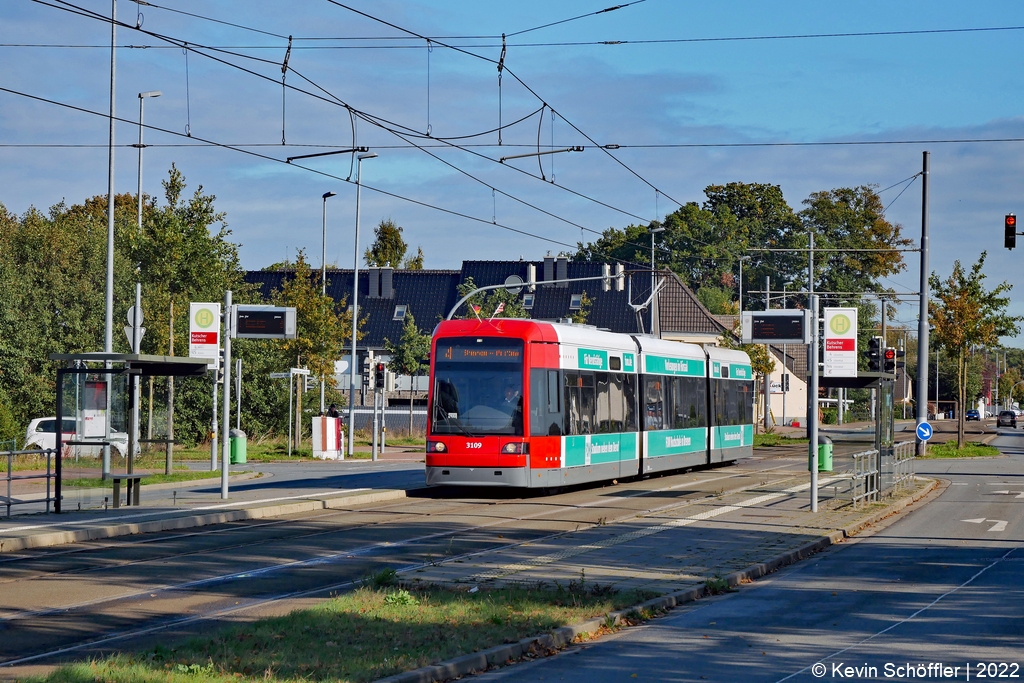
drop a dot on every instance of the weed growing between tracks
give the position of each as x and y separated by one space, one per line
775 439
970 450
378 630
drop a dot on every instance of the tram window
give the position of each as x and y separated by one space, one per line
538 400
545 403
571 421
588 399
629 402
553 392
654 409
687 403
609 403
616 403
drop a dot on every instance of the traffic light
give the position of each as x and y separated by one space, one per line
785 382
889 357
1010 227
378 376
606 273
874 354
900 354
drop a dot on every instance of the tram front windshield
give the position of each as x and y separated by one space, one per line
478 386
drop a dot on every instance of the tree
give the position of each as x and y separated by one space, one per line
965 315
323 328
388 249
409 355
489 303
852 218
580 317
414 262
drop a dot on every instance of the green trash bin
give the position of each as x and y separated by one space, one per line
238 445
824 455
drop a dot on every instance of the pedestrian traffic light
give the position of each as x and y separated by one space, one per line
1010 227
874 354
785 382
900 354
889 358
378 376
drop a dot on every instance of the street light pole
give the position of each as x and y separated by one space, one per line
323 278
741 260
655 313
785 357
355 311
137 324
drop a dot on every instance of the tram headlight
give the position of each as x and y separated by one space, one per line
515 448
436 447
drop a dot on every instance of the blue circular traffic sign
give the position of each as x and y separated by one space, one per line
924 431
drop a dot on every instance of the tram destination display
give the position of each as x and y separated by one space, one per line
466 350
776 327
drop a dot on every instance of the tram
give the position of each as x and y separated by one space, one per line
531 404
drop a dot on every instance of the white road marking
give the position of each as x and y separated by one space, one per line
998 524
960 483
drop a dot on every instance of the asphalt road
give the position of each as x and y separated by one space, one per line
941 585
74 601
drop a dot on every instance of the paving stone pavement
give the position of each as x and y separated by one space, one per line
671 550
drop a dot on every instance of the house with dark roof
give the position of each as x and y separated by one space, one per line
387 296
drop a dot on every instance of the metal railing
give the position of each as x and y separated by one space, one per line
870 482
50 476
864 483
903 457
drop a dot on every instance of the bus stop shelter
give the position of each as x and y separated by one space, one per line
111 365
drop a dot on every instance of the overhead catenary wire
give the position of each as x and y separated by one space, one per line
327 96
581 16
582 43
265 157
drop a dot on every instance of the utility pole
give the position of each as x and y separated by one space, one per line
812 403
767 377
922 323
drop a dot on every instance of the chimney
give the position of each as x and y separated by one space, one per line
374 291
562 271
387 290
549 268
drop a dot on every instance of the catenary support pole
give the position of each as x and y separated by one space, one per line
226 422
238 394
922 324
812 403
108 316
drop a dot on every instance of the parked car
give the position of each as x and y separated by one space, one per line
42 434
1007 418
972 415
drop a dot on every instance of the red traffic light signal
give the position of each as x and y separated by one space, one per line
890 354
1010 231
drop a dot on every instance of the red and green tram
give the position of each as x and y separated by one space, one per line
533 404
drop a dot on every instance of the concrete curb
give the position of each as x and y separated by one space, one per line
547 643
53 538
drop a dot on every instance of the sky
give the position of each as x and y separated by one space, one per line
946 84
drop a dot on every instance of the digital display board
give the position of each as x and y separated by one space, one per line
264 322
776 327
483 351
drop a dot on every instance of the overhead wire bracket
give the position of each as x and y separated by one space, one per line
284 73
501 66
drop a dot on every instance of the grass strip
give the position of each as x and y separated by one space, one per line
148 479
774 439
361 636
970 450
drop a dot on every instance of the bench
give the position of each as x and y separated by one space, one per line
133 485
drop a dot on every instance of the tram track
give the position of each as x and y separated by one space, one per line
214 607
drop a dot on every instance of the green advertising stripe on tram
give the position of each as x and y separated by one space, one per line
663 365
597 449
741 372
591 359
733 436
675 441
